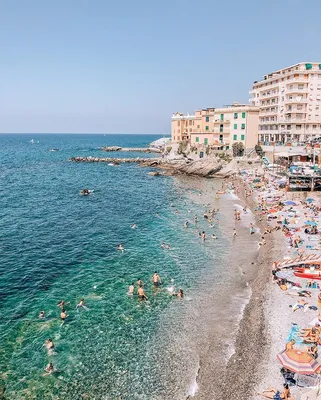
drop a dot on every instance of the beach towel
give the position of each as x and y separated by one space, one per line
294 334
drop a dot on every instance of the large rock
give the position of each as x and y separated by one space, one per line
206 168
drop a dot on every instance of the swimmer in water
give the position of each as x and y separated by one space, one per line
203 236
61 304
134 226
165 246
140 282
63 315
214 236
120 247
186 224
49 345
156 279
81 304
41 315
49 368
195 219
179 294
141 293
131 289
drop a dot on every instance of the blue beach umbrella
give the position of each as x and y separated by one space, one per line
289 203
311 223
310 200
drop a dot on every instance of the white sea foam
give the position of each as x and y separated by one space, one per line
194 386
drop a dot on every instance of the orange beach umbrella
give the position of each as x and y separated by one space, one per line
299 362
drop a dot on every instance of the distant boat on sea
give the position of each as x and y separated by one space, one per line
33 141
54 149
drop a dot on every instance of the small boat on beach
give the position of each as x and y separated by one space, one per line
308 273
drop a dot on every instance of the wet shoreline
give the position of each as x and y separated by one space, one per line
238 378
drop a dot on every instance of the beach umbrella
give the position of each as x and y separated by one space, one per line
299 362
273 210
310 200
311 223
289 203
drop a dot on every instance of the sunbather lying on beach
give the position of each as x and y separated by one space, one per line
272 393
313 351
311 336
300 304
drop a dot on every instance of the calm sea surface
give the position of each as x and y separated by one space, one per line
56 244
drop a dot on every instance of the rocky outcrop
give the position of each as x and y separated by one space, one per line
206 168
203 167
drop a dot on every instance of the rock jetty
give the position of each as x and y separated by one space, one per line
132 149
147 161
205 167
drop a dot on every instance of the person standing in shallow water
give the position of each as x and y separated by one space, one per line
141 293
156 279
131 289
203 236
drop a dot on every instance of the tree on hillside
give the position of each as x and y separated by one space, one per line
238 149
259 150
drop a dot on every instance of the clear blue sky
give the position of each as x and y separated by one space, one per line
126 65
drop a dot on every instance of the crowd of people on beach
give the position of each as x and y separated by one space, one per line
298 222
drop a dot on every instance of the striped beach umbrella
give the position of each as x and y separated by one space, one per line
299 362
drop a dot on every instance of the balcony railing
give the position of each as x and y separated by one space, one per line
219 122
280 76
293 101
297 90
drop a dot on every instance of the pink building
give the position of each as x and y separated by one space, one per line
220 127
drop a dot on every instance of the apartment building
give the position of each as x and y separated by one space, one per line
184 125
220 127
290 104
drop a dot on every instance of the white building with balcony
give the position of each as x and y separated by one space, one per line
289 101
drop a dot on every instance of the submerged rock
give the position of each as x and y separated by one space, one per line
154 173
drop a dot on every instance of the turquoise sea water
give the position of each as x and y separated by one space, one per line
56 244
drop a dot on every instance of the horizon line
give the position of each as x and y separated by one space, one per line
79 133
